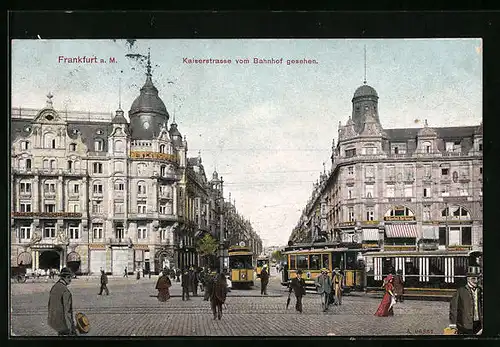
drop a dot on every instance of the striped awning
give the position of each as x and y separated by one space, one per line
401 230
370 234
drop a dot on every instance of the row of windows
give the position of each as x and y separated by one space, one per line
119 207
49 231
454 212
409 172
400 148
119 232
407 191
119 146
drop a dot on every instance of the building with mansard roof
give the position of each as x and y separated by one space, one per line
94 191
398 189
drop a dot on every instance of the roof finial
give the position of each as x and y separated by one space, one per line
49 99
364 82
425 123
149 62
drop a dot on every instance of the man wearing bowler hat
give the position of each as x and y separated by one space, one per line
61 306
466 309
298 285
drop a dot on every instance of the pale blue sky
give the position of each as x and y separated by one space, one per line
266 128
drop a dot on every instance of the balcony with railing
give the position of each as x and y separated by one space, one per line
50 215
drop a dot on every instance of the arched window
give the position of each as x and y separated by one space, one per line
399 211
98 145
28 164
72 147
455 212
163 170
119 148
70 165
141 188
162 148
49 140
427 147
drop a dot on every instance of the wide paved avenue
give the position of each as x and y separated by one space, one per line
132 310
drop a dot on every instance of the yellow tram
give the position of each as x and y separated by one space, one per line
312 259
432 273
241 266
261 261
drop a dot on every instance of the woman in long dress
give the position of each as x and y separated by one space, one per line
385 307
163 284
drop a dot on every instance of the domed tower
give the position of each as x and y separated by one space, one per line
365 101
148 112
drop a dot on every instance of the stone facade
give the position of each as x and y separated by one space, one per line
95 191
419 188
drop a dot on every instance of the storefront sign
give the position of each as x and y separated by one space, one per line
399 218
97 246
459 248
370 222
153 155
370 245
452 221
347 224
47 214
399 248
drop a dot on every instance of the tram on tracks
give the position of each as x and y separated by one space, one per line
311 258
434 274
241 266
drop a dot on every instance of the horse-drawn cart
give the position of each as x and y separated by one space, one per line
18 273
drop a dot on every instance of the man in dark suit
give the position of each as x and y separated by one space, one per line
298 285
104 283
466 309
185 284
61 306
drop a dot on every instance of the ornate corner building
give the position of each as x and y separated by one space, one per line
93 191
398 189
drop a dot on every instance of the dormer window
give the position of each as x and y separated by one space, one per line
25 145
49 117
72 147
98 145
162 148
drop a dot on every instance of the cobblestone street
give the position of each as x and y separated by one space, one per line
132 309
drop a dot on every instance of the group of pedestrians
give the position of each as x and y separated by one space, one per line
330 288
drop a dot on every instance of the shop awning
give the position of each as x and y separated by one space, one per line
401 230
370 234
